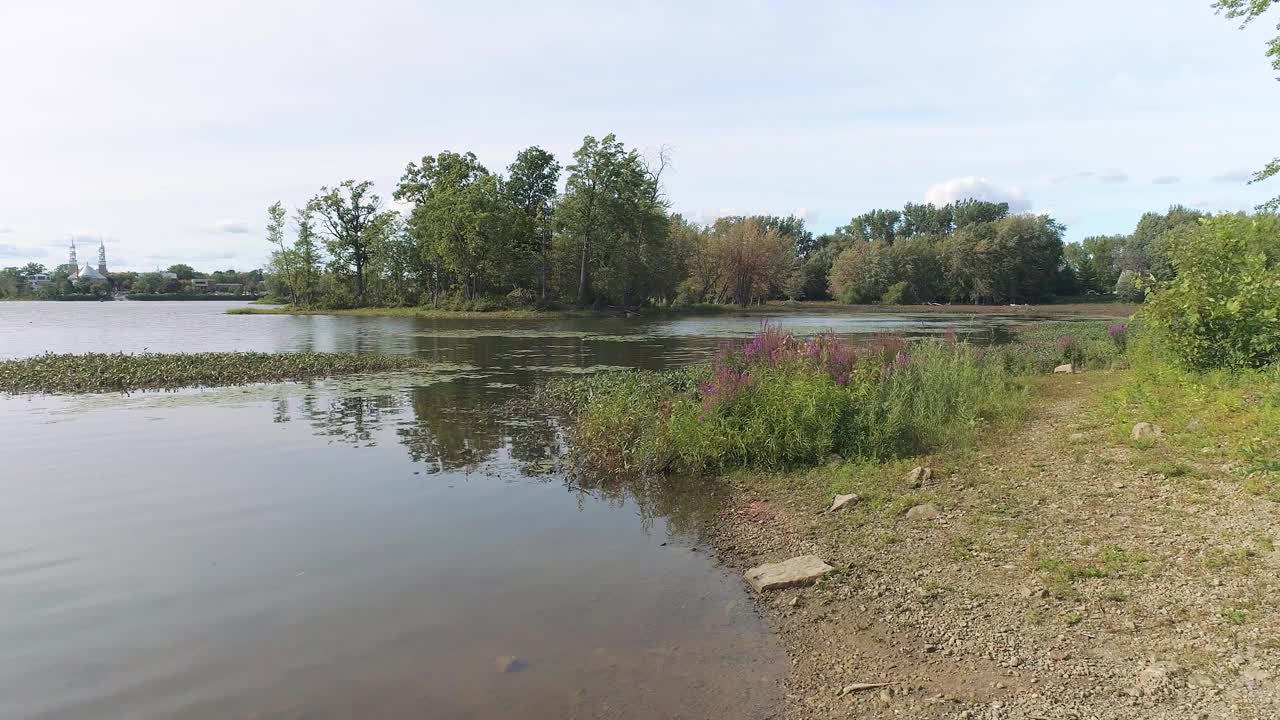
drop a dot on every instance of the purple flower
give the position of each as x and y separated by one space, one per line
902 360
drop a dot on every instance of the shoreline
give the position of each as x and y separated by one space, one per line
1065 574
1110 310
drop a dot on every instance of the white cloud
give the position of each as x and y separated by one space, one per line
963 188
232 227
1166 180
1114 176
1234 176
7 231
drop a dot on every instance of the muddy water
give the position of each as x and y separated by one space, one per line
376 546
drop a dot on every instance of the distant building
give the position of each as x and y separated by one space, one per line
233 288
202 284
90 274
39 280
102 258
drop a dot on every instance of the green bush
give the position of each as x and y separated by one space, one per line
1086 345
1128 289
1222 309
898 293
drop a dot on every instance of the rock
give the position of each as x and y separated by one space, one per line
1199 680
926 511
1254 675
1146 431
1076 437
860 687
508 664
1194 425
803 570
919 477
886 695
842 502
1066 369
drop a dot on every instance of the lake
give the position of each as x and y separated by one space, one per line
378 546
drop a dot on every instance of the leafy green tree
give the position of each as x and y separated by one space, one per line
751 260
183 271
306 256
861 273
877 225
351 215
1247 11
971 212
459 221
927 219
531 189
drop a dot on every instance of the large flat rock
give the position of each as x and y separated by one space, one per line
803 570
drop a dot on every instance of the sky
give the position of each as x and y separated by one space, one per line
167 128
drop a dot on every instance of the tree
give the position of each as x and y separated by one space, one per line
306 255
1247 11
350 214
861 273
183 271
750 259
531 189
459 218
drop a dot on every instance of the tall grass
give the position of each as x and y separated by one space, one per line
777 401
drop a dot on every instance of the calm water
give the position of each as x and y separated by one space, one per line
365 547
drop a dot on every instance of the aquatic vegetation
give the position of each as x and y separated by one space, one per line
1086 345
98 372
779 401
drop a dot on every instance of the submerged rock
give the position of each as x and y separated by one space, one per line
508 664
842 502
803 570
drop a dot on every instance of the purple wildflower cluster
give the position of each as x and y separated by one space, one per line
1065 342
771 347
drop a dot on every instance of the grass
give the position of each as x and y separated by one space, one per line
100 372
1214 419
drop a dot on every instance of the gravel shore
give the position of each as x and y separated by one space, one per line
1064 575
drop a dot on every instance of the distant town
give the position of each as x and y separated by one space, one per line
76 280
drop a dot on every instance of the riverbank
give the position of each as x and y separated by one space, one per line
772 308
1063 569
119 372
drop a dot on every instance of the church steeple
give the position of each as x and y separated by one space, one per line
102 257
71 260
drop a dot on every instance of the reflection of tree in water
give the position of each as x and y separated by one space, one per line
451 427
350 419
688 504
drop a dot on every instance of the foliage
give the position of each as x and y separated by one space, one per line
898 293
1222 310
1247 11
779 401
98 372
1129 287
1040 347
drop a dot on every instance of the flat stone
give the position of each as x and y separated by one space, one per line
1146 431
926 511
798 571
842 502
1065 369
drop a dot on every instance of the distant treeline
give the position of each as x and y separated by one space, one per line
469 237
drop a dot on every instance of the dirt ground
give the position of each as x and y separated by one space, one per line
1067 575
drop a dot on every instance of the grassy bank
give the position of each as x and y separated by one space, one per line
772 308
100 372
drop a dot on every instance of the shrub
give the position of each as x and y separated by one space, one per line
898 293
1222 309
778 401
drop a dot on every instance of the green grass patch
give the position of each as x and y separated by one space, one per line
99 372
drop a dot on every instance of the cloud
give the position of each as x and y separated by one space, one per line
7 231
1110 175
232 227
21 252
977 188
1082 175
1166 180
1234 176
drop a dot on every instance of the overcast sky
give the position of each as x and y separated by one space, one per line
168 127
